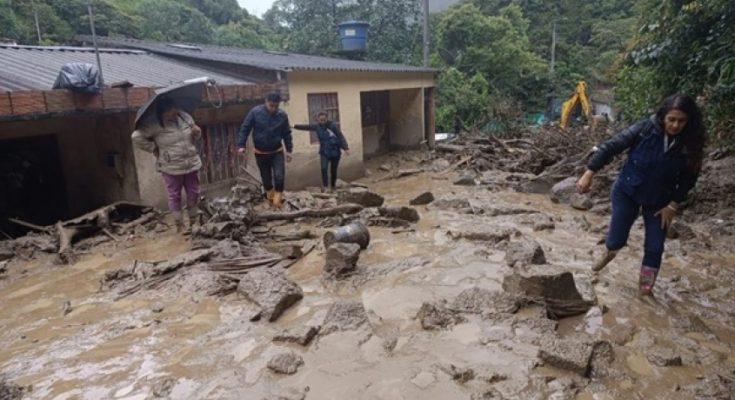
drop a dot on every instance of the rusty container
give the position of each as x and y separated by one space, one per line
355 232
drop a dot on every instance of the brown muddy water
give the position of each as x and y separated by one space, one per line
188 346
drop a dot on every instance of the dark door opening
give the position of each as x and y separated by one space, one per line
31 183
375 109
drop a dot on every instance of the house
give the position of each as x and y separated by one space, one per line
380 107
64 153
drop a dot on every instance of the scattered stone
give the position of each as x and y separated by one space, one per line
6 254
3 267
482 301
10 391
437 317
681 230
341 259
690 323
593 320
157 308
227 249
581 223
543 222
302 335
663 357
66 308
390 343
385 168
602 358
568 354
163 387
423 379
405 213
450 203
524 252
581 202
496 333
467 178
422 199
361 196
622 334
344 316
714 387
554 287
489 394
287 363
461 375
271 290
562 192
484 233
341 184
646 338
440 164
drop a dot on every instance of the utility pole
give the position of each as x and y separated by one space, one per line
426 33
553 47
94 41
38 26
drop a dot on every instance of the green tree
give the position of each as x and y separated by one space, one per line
246 33
109 18
11 26
459 94
168 20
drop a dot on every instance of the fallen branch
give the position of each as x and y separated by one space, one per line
308 213
30 225
127 227
455 165
451 148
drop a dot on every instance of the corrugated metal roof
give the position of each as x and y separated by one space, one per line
270 60
36 67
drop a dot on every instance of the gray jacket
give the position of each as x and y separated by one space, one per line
175 143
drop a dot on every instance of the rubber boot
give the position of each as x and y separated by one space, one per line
193 221
608 256
277 199
647 280
324 189
178 221
269 195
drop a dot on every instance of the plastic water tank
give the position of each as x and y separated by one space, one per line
354 35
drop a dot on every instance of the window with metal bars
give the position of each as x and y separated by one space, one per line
318 102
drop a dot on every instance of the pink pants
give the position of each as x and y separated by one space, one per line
174 184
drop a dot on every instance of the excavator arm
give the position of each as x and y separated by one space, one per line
579 97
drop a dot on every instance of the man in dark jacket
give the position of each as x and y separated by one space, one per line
271 132
331 144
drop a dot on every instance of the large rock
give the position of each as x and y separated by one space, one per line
440 165
555 287
467 178
482 301
681 230
569 354
437 316
663 357
361 196
285 363
581 201
344 316
341 259
447 203
562 192
271 290
422 199
484 233
543 222
524 252
405 213
301 335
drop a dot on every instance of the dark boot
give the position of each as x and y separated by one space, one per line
608 256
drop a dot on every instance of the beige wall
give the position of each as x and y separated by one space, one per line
84 144
304 170
406 118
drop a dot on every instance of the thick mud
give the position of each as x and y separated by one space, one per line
63 338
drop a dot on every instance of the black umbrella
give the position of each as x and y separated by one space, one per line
186 95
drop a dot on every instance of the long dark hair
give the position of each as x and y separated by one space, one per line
693 137
162 106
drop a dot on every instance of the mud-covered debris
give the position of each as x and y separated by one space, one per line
290 394
466 178
157 308
6 254
344 316
488 394
461 375
681 230
10 391
27 246
554 287
341 259
286 363
621 334
271 290
437 316
580 201
496 211
482 301
131 278
663 357
404 213
602 359
562 191
524 252
422 199
361 196
484 233
3 267
715 387
543 222
66 308
689 323
226 249
301 335
581 222
450 203
568 354
163 387
385 168
440 165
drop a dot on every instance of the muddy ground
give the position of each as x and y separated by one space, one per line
64 338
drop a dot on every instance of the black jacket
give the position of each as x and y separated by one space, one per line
650 175
331 139
269 130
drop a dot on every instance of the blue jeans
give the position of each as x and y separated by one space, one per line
329 166
624 213
272 170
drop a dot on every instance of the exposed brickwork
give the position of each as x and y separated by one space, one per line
5 105
59 101
29 102
114 98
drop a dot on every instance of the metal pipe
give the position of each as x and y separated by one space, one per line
426 33
94 41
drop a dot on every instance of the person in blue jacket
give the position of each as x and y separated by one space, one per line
331 144
271 133
664 160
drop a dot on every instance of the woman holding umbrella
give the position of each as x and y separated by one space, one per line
171 136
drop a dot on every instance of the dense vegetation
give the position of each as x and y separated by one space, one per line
494 55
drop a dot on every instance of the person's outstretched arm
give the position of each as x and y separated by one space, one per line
305 127
247 126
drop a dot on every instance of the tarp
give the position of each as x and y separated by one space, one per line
79 77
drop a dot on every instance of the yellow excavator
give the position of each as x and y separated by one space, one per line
579 97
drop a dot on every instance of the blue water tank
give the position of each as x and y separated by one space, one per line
354 35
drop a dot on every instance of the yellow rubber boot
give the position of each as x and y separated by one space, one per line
269 195
277 199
